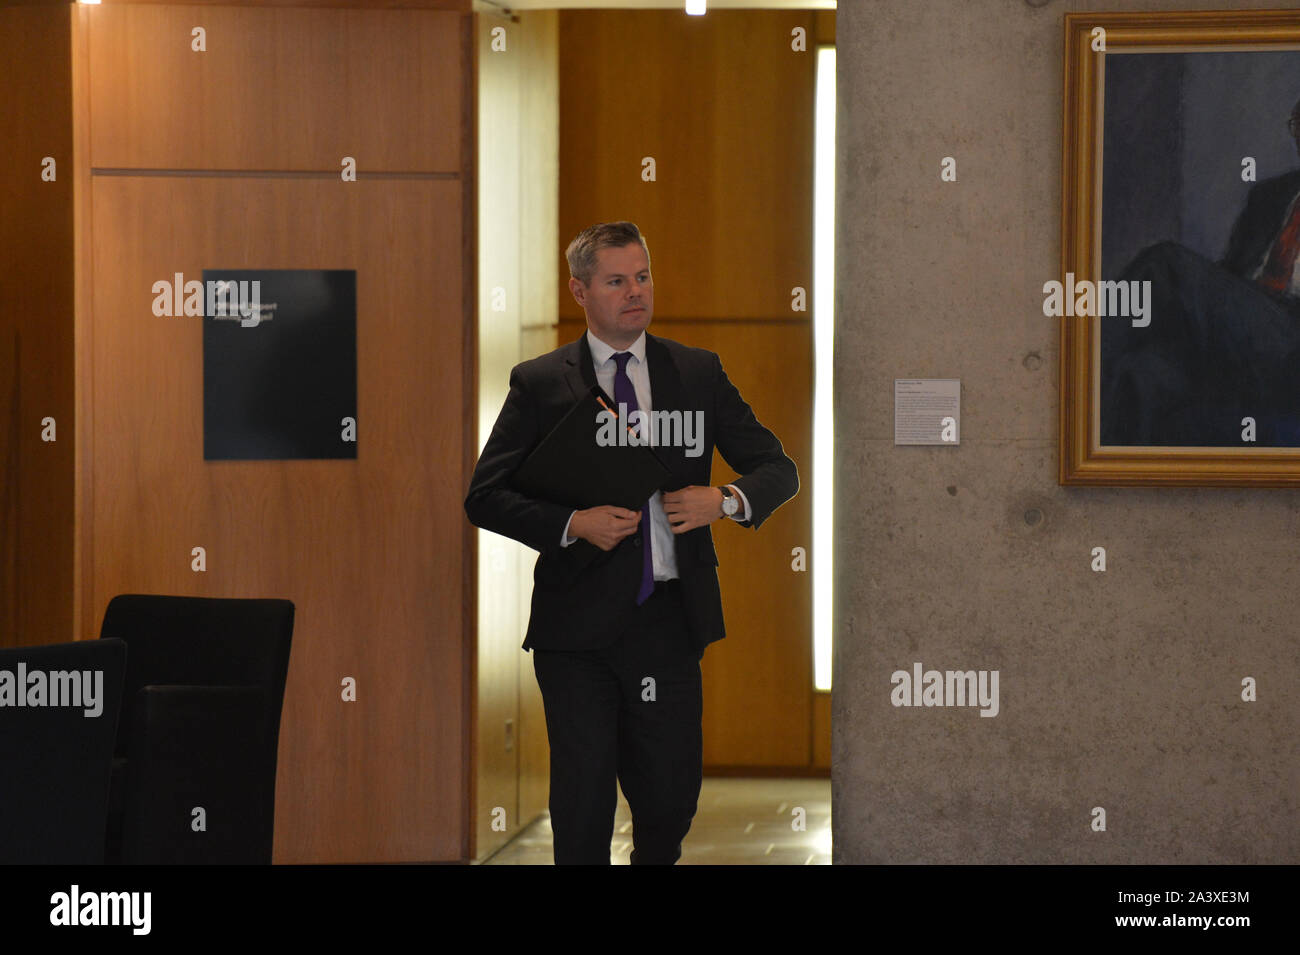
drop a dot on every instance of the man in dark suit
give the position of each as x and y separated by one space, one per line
624 601
1224 340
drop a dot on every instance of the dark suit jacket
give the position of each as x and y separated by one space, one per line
1260 222
581 594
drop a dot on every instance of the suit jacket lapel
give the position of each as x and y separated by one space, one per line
665 381
666 394
581 373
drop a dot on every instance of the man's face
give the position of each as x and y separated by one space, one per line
621 297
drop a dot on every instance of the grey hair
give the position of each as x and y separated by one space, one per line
581 252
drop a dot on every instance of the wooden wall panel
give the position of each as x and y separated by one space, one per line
462 5
534 744
11 634
496 702
758 681
539 242
36 330
367 550
539 181
518 236
374 552
725 108
278 88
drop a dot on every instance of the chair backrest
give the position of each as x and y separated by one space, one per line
203 641
55 761
195 763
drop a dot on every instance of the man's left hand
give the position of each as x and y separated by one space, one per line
692 507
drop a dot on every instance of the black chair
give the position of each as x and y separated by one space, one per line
55 761
194 773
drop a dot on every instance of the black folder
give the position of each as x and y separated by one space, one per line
568 467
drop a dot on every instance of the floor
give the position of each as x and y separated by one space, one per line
739 822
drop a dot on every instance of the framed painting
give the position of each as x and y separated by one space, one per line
1179 293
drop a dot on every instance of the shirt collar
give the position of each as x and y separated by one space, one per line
601 353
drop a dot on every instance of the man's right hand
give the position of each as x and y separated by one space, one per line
604 526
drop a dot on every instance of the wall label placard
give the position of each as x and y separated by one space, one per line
927 411
280 374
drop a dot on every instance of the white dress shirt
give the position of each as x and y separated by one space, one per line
662 551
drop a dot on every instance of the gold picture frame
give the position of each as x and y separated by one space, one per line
1083 459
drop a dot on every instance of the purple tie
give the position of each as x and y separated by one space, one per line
625 394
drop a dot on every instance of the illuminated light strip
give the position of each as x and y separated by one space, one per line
823 357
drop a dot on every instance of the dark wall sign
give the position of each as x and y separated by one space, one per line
279 364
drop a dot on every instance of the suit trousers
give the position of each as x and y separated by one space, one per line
629 713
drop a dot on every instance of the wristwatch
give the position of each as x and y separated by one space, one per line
730 503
